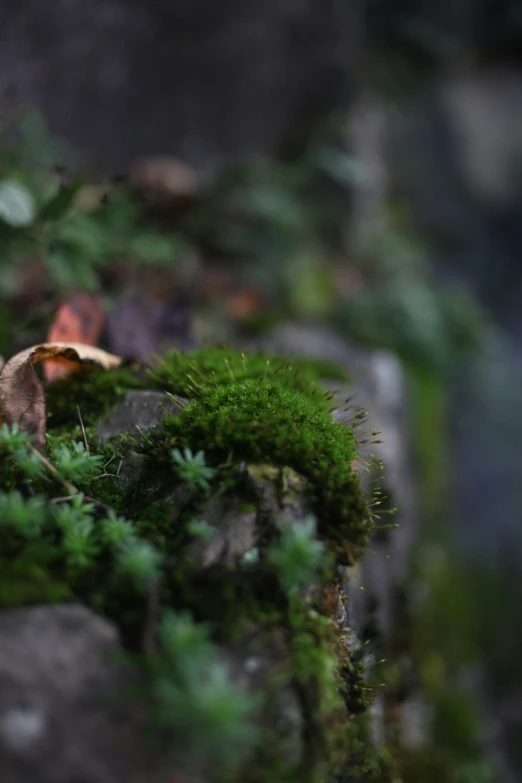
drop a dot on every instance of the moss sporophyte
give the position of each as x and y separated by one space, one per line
109 541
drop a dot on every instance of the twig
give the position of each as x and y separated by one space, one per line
88 499
109 475
83 430
71 489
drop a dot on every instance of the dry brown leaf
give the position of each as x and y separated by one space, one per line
22 397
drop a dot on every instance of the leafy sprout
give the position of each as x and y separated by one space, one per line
17 443
140 562
298 556
75 463
26 516
115 530
193 699
192 468
12 438
200 529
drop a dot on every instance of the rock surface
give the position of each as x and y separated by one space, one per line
62 718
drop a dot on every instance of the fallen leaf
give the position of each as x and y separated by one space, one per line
22 397
79 320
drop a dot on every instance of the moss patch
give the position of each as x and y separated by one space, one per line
262 422
96 391
186 374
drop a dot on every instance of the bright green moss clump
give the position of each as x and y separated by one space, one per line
97 391
262 422
186 374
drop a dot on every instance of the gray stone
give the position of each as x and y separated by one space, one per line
138 411
62 716
233 532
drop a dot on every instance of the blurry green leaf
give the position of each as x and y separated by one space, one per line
69 268
311 288
343 168
17 205
58 206
154 248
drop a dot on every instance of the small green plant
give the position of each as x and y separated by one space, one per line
17 445
115 530
298 556
192 468
200 529
139 561
75 229
75 463
26 517
12 438
194 702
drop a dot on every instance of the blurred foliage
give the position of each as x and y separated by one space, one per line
291 224
461 618
42 220
286 224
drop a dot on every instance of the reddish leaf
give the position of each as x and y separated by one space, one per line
79 320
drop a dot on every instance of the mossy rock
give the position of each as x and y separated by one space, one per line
272 454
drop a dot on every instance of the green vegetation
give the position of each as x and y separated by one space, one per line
262 422
186 374
191 468
283 222
41 216
85 533
298 556
72 528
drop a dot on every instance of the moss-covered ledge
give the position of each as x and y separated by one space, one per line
215 500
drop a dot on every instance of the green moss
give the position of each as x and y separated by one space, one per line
185 374
262 422
94 390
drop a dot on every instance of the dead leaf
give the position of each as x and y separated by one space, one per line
22 397
79 320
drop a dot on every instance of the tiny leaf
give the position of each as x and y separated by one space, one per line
17 205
